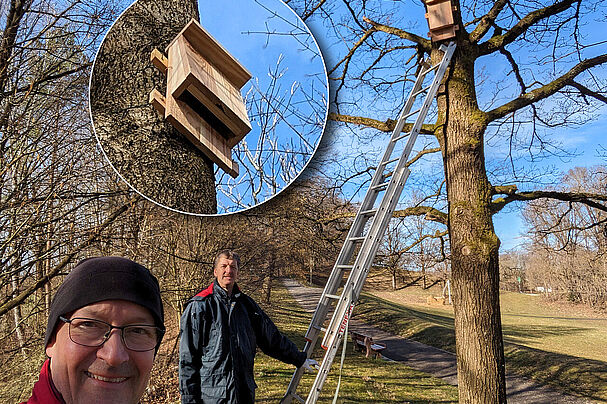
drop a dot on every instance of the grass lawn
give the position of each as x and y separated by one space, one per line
557 344
364 380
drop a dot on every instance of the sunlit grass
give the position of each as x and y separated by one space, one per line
552 344
363 379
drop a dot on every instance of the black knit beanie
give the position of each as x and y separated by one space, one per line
103 278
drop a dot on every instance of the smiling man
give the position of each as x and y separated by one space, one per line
105 325
221 329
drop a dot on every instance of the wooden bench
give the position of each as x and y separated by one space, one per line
364 343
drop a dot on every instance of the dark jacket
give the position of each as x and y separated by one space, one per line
219 338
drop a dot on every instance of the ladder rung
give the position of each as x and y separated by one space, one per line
369 212
319 328
411 113
391 161
361 238
396 139
430 69
422 91
298 398
346 267
381 186
333 296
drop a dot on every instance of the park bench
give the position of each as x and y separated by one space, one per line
364 343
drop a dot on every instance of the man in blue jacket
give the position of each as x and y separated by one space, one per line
221 329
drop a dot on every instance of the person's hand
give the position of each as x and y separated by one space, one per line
310 365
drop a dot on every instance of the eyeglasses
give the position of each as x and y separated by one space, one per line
93 333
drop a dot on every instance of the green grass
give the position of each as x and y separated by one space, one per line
364 380
545 342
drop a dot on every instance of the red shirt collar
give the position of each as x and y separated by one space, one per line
44 391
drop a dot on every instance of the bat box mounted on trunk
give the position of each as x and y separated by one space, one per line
440 19
203 99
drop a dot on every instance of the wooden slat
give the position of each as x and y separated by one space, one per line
201 134
159 61
158 102
210 49
191 72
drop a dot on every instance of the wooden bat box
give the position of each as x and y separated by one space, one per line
203 99
440 19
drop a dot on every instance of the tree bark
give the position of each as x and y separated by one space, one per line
474 244
146 151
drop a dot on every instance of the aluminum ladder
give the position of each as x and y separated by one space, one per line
366 232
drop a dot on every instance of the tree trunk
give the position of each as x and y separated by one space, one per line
474 244
266 287
145 150
17 317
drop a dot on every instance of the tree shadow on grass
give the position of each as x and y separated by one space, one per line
520 333
577 376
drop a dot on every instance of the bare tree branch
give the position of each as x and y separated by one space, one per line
429 213
546 90
589 199
426 44
345 60
9 36
68 258
500 41
586 91
487 21
386 126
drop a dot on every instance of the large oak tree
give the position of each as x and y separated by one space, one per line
553 78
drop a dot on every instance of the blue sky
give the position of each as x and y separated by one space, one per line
259 33
581 141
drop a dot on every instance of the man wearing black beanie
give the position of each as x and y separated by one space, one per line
105 325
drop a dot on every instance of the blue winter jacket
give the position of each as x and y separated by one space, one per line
219 338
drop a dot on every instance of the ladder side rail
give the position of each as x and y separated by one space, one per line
322 309
353 288
396 132
368 202
291 390
335 277
419 81
380 222
380 233
320 313
429 99
371 194
371 244
388 203
324 368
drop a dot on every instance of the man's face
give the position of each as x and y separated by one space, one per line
226 273
110 373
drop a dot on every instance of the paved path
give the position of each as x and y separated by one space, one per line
434 361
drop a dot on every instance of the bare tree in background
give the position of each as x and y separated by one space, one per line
287 110
57 201
570 241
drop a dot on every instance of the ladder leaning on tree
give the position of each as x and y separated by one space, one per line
367 231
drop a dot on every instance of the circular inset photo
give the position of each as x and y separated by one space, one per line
208 107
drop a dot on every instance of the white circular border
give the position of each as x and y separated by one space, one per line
322 132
